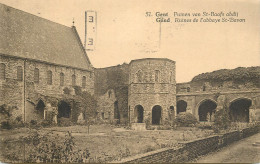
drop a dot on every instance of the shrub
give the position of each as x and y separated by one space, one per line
46 149
205 125
33 122
6 125
164 127
222 120
185 119
46 123
64 122
149 148
66 90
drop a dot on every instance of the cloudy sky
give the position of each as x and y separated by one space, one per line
125 33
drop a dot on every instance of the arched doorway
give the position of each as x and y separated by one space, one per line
181 106
40 109
139 113
206 109
156 114
64 109
239 110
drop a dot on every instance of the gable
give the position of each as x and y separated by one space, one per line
29 36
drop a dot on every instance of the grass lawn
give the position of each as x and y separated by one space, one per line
105 142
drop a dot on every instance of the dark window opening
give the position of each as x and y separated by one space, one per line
64 110
206 110
188 89
73 80
139 113
204 88
156 115
116 111
239 110
109 93
49 77
2 71
61 79
36 75
181 106
40 108
103 115
84 82
157 76
139 76
20 73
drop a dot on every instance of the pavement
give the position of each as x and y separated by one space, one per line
246 150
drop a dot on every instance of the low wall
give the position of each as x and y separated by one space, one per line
191 149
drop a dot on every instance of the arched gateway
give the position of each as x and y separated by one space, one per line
139 113
156 115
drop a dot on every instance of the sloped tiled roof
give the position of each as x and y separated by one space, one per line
28 36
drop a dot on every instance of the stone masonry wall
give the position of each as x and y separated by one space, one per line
13 91
115 79
191 149
148 92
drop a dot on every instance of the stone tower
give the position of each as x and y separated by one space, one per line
152 90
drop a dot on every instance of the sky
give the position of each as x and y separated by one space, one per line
124 32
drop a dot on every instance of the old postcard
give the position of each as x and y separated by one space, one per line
117 81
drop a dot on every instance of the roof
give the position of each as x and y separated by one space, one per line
156 59
28 36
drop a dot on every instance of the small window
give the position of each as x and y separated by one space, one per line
2 71
73 80
61 79
188 89
109 93
103 115
36 75
157 76
204 88
139 76
49 77
84 82
20 73
170 77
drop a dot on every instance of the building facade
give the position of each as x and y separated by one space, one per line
39 61
152 90
43 64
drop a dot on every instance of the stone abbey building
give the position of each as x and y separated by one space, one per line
40 60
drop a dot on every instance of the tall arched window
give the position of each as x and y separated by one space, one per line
61 79
20 73
84 82
2 71
171 77
73 80
139 76
204 88
49 77
36 75
157 76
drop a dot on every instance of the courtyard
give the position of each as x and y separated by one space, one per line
104 142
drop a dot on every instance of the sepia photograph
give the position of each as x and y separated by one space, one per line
129 81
